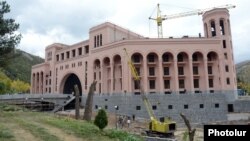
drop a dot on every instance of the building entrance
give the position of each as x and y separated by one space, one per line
69 84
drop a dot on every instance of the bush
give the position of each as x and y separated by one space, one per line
101 119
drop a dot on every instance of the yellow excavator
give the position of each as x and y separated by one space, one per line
165 128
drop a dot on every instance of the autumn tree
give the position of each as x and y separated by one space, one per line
9 38
5 83
18 86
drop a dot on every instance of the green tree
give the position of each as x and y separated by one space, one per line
101 119
8 36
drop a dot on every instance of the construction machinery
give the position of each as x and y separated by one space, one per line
164 128
160 18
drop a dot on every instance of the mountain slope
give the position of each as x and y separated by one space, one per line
243 71
20 66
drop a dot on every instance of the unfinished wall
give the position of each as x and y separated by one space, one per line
199 108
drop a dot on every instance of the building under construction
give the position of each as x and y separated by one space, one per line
194 75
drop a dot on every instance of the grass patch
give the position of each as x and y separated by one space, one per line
9 108
71 126
122 135
89 131
38 131
5 134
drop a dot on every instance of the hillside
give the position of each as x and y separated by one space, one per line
243 71
20 66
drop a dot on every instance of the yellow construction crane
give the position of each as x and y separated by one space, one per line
160 18
165 128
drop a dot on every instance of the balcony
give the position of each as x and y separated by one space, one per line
151 63
196 62
167 63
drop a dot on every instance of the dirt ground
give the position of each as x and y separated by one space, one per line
140 125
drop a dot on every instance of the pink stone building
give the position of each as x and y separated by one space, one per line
165 65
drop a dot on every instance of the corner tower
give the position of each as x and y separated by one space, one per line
217 25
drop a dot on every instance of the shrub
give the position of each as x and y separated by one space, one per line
101 119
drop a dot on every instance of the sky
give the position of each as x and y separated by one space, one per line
43 22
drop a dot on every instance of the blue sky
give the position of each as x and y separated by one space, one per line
43 22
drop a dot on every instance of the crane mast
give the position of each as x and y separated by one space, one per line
137 81
160 18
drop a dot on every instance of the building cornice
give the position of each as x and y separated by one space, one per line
157 41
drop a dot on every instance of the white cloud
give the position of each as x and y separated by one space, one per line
35 43
43 22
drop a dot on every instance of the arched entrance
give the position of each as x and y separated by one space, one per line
70 81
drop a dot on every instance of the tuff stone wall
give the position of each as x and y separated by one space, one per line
214 105
242 106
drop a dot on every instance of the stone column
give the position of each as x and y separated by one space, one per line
145 75
111 76
160 76
33 83
176 78
191 81
206 75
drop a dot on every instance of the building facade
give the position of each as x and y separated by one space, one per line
165 65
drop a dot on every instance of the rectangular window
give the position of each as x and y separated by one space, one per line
166 70
185 106
195 70
151 58
100 87
73 53
180 70
100 39
136 59
152 84
201 106
170 106
195 57
57 57
216 105
196 83
167 84
228 81
165 58
79 51
181 83
180 58
138 107
225 56
154 107
62 56
67 54
95 41
137 84
86 49
210 70
94 76
151 71
224 44
226 68
138 71
211 83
